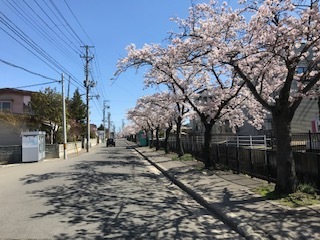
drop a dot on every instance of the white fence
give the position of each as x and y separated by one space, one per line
259 141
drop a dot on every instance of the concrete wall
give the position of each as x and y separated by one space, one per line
9 135
13 154
10 154
57 151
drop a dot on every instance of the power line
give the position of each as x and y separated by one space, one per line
23 40
27 41
96 62
24 69
28 18
34 85
74 46
78 22
45 19
61 15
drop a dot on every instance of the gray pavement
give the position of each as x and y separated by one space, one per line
109 193
231 197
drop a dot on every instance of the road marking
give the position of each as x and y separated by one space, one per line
148 165
153 169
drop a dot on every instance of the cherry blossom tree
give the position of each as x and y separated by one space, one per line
139 118
158 104
276 53
145 57
158 112
130 130
281 68
190 75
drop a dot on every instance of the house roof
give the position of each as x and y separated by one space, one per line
16 91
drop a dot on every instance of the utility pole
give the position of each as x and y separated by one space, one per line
88 84
68 92
104 119
64 120
109 125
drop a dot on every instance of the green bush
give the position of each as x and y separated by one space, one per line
304 196
307 188
185 157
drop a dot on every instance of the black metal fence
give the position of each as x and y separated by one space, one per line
309 142
260 161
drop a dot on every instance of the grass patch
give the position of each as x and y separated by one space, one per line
185 157
305 195
222 167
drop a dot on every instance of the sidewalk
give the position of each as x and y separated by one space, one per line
230 197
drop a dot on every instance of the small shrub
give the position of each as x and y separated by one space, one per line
185 157
265 190
307 188
304 196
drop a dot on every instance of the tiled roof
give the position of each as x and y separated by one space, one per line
16 91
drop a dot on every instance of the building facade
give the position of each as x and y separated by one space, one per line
14 113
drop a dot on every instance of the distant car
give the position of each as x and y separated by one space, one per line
111 142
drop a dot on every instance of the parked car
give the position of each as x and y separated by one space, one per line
111 142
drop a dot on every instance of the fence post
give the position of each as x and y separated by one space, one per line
310 143
318 173
238 160
251 163
192 148
268 166
237 156
218 152
227 161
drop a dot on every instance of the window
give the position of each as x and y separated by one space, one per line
5 106
301 69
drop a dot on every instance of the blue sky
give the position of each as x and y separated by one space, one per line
109 26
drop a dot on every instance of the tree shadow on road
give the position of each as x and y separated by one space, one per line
116 198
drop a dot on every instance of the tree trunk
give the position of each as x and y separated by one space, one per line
209 163
51 135
286 175
319 107
157 139
178 137
166 145
147 138
151 139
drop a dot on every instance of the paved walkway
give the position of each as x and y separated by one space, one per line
230 196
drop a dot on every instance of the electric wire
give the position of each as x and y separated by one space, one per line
58 38
54 24
1 20
17 31
34 85
96 62
26 70
78 21
28 41
22 13
34 46
102 93
64 19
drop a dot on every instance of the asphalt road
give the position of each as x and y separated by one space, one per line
109 193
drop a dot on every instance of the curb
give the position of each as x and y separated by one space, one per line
245 230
